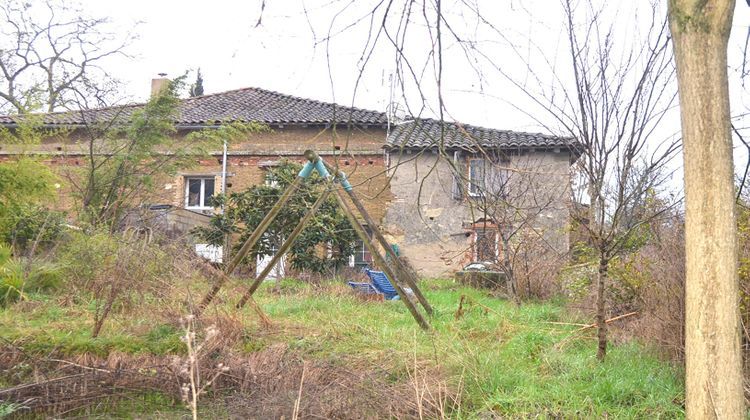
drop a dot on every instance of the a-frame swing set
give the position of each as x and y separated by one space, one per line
396 271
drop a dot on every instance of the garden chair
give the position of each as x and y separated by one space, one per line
383 284
366 289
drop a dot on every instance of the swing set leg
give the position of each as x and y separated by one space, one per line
403 272
284 248
250 242
380 260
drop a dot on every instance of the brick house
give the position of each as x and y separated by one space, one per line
400 170
355 135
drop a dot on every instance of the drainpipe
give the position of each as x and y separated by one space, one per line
224 173
225 248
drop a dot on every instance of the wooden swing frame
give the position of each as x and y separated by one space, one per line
339 185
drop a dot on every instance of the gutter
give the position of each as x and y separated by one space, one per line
210 126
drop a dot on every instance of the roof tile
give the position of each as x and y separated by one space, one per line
241 105
427 134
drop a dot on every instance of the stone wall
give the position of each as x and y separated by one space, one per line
432 228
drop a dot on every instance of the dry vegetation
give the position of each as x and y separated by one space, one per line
327 353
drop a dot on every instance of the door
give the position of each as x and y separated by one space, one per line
263 260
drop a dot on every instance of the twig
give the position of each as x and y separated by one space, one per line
95 369
295 413
617 318
567 323
589 326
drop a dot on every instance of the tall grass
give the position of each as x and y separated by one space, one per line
518 361
515 361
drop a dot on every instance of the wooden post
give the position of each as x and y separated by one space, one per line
257 233
284 247
380 260
403 272
222 277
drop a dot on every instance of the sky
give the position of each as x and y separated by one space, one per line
224 39
284 45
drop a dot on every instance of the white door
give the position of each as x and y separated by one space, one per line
210 252
263 261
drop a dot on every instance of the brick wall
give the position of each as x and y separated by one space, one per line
360 156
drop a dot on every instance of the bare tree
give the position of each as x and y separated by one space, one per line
621 93
52 56
611 94
712 324
516 196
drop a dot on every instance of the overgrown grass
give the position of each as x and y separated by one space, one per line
514 360
518 361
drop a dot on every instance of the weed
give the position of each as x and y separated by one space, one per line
497 358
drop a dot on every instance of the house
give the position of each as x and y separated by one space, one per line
456 186
423 181
355 136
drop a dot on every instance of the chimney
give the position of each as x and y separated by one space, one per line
159 84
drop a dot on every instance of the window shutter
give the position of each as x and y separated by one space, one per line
458 175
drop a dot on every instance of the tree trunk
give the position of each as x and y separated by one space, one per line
700 30
100 317
601 307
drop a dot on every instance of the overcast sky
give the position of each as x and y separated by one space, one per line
223 39
287 52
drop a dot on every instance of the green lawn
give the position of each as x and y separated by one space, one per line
517 361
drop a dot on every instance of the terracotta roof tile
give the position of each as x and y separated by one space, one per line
241 105
426 134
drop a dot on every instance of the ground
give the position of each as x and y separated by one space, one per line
331 354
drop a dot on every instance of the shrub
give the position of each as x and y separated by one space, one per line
112 271
18 276
323 246
28 226
25 185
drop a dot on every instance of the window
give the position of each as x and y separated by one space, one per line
199 193
497 179
270 180
361 257
476 177
485 245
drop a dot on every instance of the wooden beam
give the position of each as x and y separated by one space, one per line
254 237
379 259
284 247
402 271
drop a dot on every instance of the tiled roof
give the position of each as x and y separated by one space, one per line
426 133
241 105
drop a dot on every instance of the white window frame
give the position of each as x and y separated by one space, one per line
361 250
202 200
474 189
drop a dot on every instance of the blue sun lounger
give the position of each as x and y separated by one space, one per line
382 284
379 284
364 288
